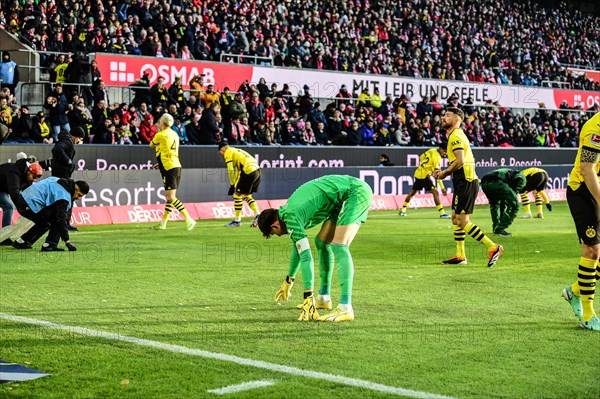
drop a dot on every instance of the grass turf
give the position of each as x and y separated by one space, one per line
461 331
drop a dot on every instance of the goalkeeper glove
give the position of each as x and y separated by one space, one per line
285 290
71 247
231 190
549 206
309 310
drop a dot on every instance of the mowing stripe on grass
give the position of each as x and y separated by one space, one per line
245 386
332 378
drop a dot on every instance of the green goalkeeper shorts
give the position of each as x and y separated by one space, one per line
356 203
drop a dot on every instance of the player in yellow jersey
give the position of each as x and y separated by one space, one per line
429 161
60 68
583 196
244 177
166 145
466 188
537 179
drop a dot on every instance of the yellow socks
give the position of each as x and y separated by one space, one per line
459 239
585 286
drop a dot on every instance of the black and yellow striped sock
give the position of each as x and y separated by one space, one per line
405 206
252 203
238 202
545 197
525 202
538 203
181 208
168 210
459 240
585 287
440 209
477 234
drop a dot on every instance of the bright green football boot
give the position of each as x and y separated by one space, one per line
574 300
593 324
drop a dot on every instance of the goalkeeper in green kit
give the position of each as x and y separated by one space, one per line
501 187
341 203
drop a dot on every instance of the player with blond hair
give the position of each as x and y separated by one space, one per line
166 146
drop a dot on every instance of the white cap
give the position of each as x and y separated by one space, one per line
21 155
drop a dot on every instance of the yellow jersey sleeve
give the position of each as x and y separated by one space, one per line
589 139
166 147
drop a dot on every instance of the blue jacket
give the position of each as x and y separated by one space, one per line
45 193
7 72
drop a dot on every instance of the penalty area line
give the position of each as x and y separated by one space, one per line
279 368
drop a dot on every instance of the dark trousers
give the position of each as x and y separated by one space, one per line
44 220
504 204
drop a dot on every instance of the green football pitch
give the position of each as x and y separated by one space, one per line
137 313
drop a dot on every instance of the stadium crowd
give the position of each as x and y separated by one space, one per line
522 44
258 114
487 41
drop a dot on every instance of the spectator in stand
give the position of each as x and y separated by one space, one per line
210 132
209 96
56 103
147 128
81 117
269 110
321 136
9 72
316 115
256 112
180 129
58 73
192 129
160 94
344 96
304 101
100 113
364 97
41 133
424 108
106 134
225 101
263 89
100 92
21 127
176 92
354 134
141 90
197 86
238 132
368 132
376 99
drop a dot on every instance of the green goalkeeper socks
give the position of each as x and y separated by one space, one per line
326 262
345 272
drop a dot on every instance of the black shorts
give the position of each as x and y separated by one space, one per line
248 184
465 194
171 178
425 183
536 181
586 214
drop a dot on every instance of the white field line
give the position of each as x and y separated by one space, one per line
245 386
179 227
279 368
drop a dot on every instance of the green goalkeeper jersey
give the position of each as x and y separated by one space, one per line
314 202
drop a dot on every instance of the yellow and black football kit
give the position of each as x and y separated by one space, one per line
465 180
